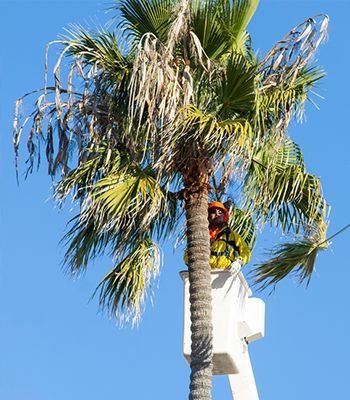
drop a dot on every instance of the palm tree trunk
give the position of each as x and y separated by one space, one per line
198 247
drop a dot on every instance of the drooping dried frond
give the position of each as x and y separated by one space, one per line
285 63
124 289
79 107
180 26
294 52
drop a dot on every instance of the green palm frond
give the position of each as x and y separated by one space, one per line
236 87
236 18
279 190
139 17
96 48
214 134
124 289
221 25
84 242
98 163
276 104
132 202
206 23
122 207
296 258
129 194
242 223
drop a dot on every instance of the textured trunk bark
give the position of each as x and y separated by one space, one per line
198 247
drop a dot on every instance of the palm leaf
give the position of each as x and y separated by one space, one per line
241 12
277 103
236 87
293 53
279 190
290 258
83 113
242 222
139 17
96 48
84 241
231 135
99 162
206 24
296 258
124 289
288 63
135 196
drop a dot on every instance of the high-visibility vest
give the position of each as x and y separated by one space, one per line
226 247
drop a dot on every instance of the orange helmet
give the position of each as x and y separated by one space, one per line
219 205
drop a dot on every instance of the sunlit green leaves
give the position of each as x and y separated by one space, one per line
238 14
279 190
139 17
277 103
133 195
215 135
96 48
124 289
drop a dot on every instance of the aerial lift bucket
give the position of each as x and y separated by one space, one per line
238 319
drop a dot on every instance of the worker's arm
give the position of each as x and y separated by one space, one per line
244 250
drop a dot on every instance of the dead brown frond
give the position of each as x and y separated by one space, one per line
283 64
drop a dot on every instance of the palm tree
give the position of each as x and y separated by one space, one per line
186 111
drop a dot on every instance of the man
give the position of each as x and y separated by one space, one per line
227 248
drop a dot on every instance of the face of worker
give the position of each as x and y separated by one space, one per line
216 217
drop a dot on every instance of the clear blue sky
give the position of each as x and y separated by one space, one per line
53 343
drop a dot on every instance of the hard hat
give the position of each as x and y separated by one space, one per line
219 205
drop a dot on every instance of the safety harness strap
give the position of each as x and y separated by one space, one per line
218 253
232 243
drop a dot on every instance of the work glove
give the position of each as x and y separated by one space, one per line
236 266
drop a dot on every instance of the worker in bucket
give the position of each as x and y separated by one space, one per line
227 248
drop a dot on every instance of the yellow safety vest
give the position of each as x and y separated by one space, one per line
227 247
